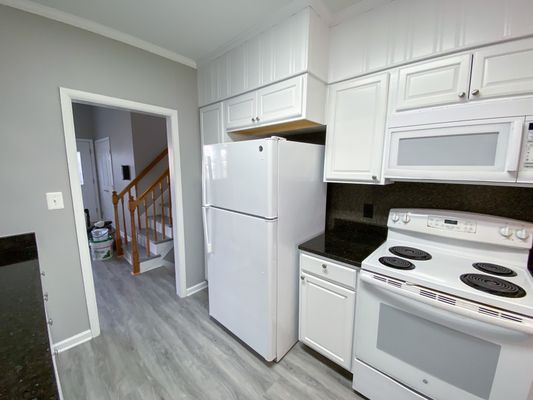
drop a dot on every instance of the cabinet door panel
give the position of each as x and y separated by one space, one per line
327 314
357 112
444 81
212 124
282 65
265 41
280 101
252 51
240 111
503 70
236 70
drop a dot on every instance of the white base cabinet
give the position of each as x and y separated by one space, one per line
327 308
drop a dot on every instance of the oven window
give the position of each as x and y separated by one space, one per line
477 149
461 360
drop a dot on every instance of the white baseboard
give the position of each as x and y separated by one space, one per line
73 341
196 288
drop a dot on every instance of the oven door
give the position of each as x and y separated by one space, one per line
436 352
481 150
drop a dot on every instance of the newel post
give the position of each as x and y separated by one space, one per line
132 205
118 239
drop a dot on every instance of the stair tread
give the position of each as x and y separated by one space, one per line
142 252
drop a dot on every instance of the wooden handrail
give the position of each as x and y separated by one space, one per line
132 206
143 173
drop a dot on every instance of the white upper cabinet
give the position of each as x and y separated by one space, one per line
296 45
212 124
503 70
240 111
398 32
280 101
300 99
442 81
356 116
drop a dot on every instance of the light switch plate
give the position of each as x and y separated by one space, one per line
54 200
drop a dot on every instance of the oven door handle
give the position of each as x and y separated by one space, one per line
421 303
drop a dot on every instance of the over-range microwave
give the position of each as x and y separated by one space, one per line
496 150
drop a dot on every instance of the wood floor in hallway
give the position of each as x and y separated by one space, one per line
154 345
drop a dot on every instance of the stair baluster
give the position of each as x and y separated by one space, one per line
132 205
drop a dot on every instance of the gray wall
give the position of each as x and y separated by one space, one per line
347 201
37 57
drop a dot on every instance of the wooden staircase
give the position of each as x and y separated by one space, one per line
143 221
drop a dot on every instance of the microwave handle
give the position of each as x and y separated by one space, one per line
515 144
448 312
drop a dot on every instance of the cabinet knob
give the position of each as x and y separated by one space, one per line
302 278
324 266
475 92
257 119
45 297
253 119
462 94
50 321
374 178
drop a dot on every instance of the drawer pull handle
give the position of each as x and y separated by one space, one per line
475 92
324 266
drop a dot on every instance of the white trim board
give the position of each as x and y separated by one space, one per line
67 97
73 341
196 288
99 29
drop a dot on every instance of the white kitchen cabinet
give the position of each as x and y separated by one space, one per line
442 81
503 70
356 117
240 111
280 101
212 124
298 101
296 45
327 315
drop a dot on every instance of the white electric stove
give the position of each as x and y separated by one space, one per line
445 309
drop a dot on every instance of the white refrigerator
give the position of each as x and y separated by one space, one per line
261 198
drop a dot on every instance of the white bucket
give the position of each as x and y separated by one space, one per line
102 250
100 235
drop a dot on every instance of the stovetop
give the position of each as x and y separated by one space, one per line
443 270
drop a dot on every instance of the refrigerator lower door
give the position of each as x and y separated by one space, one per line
242 176
242 277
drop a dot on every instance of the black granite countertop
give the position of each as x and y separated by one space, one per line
348 242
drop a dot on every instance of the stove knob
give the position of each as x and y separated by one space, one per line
395 217
505 231
406 218
522 234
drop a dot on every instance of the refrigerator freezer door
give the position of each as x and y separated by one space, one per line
242 276
242 176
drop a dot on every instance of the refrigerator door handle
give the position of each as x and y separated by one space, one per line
205 179
208 246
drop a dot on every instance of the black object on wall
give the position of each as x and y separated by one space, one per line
126 175
347 201
26 364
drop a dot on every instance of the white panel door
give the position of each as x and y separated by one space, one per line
104 167
212 124
503 70
87 171
357 112
327 313
242 277
280 101
236 70
240 111
443 81
242 176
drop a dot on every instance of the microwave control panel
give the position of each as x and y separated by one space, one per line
528 159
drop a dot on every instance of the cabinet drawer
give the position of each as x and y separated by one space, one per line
326 269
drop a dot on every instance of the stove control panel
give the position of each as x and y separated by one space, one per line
452 224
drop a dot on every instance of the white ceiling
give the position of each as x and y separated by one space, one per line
183 30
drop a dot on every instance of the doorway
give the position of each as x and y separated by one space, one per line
70 96
88 178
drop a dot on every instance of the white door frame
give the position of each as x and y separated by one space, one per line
96 183
68 96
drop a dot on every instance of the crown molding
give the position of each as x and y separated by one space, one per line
99 29
358 8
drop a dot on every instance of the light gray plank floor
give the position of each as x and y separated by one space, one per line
154 345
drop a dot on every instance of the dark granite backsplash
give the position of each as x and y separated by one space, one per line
346 201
